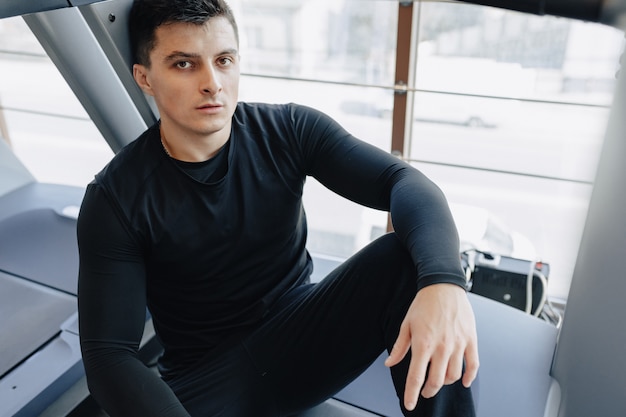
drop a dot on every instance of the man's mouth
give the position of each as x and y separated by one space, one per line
209 106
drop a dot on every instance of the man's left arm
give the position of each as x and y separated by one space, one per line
439 328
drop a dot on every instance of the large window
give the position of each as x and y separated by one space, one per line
509 115
506 111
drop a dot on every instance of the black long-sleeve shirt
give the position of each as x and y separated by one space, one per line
208 258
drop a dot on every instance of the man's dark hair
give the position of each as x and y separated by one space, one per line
147 15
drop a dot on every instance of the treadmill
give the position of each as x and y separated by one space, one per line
39 351
529 368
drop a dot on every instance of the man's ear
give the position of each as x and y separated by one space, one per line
140 73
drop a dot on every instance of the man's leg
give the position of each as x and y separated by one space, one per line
321 337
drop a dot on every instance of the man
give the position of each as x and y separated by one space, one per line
200 219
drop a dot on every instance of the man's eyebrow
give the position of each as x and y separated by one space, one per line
176 55
180 55
229 51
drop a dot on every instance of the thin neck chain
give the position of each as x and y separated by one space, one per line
164 143
165 148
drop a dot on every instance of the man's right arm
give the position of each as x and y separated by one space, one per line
112 310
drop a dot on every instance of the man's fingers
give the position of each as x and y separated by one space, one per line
471 365
439 330
436 376
415 379
454 370
400 348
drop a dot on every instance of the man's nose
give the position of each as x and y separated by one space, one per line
210 81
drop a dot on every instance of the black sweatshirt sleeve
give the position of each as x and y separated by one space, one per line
112 311
372 177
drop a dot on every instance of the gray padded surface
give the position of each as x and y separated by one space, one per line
40 245
30 315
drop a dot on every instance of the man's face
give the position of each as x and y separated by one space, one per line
194 78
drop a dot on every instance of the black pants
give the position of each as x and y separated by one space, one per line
315 341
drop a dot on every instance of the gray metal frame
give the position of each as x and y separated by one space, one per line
90 74
22 7
590 363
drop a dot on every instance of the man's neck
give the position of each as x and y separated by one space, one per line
193 148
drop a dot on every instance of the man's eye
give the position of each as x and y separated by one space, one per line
183 64
226 61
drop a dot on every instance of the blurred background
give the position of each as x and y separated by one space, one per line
505 111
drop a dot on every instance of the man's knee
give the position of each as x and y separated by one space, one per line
392 252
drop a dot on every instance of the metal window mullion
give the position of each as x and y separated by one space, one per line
402 107
401 83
